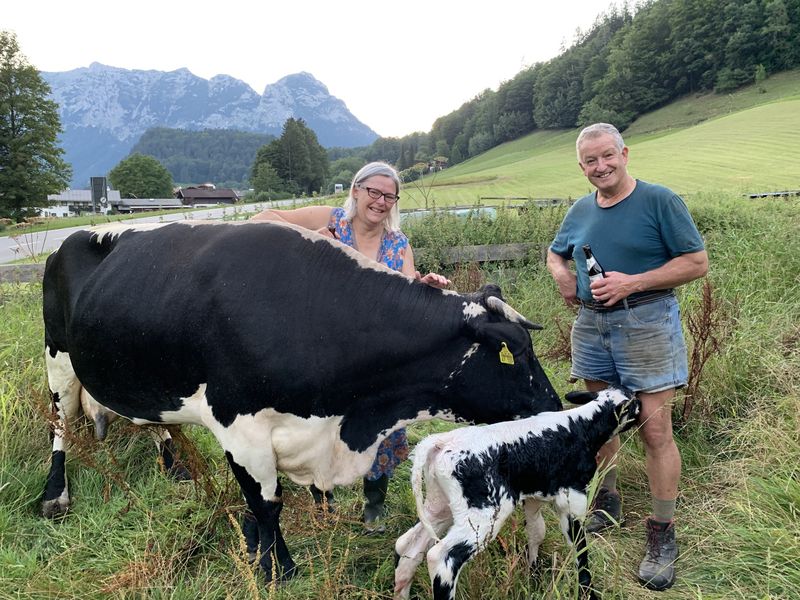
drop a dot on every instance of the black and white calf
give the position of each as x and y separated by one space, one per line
475 476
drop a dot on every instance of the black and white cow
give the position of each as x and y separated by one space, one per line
298 353
475 476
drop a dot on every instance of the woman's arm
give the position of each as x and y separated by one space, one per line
432 279
311 217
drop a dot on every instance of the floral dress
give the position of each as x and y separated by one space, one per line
394 449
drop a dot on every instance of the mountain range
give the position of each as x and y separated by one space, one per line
104 110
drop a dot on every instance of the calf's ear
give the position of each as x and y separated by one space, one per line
580 397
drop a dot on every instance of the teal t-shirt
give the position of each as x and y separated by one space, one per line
641 233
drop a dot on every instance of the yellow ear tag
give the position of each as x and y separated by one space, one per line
505 355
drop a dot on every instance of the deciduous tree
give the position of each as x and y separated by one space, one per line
141 176
31 166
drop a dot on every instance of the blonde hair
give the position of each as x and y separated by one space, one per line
392 222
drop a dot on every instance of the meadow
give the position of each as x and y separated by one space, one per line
134 533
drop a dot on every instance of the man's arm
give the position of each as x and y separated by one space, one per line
565 278
681 269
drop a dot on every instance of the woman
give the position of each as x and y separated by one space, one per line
369 221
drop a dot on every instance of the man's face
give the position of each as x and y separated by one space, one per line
604 166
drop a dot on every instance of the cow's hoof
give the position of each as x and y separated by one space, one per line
55 508
289 572
285 575
178 472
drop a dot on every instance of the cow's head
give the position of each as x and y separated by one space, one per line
501 378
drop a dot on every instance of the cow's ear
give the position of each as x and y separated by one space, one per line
496 335
490 289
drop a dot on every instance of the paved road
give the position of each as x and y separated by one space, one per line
31 244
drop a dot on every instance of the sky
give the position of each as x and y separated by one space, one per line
397 66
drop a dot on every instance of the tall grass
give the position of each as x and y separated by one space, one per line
133 533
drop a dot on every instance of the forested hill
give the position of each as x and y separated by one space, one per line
221 156
626 65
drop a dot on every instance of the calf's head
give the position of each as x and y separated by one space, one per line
625 405
500 379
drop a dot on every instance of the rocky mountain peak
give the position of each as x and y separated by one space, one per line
104 110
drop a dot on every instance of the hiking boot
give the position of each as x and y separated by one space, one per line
375 494
322 500
606 512
657 570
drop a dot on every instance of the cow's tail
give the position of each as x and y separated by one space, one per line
424 452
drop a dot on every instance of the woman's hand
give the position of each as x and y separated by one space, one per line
328 231
433 279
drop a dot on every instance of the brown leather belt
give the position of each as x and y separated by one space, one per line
629 302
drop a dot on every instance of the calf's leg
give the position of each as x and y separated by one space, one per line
411 547
572 508
534 528
472 529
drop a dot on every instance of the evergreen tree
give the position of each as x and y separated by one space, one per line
31 166
297 158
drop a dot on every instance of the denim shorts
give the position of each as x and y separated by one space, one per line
640 348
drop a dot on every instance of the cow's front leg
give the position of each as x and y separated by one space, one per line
65 391
264 498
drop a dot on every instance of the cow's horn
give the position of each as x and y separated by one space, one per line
496 305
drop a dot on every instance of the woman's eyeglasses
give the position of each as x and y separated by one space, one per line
375 194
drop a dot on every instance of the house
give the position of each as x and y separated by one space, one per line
74 202
206 195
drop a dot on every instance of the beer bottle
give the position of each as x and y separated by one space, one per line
592 266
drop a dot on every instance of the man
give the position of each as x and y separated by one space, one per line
628 331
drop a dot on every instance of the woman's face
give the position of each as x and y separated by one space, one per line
374 210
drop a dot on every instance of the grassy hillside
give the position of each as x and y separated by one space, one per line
743 142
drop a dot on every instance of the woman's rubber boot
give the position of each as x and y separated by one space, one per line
375 494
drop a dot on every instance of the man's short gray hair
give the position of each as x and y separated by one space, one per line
595 131
392 223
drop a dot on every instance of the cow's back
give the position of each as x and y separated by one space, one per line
250 311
